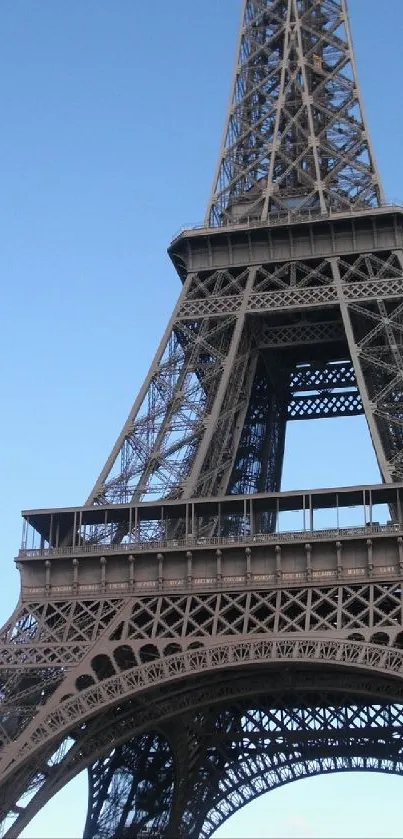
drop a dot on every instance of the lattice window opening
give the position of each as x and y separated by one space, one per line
88 617
386 609
221 283
56 619
370 266
331 374
13 723
380 350
27 688
292 612
26 628
264 613
379 324
325 405
81 620
310 274
84 681
39 622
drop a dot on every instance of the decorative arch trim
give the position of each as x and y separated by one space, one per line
49 726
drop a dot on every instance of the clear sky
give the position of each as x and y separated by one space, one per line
111 120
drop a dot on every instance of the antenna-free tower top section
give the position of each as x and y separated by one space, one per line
295 138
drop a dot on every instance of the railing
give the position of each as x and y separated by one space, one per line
215 541
285 218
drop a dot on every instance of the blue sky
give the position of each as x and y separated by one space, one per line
111 116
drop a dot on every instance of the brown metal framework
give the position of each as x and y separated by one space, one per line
192 635
295 137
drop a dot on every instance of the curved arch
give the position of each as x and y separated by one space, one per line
364 744
43 736
83 682
381 638
243 783
148 652
125 657
356 636
48 727
261 783
245 688
102 666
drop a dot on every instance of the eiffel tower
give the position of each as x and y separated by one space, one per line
173 636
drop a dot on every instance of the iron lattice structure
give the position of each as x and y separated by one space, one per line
172 636
295 136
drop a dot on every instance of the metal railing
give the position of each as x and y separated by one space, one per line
192 542
285 218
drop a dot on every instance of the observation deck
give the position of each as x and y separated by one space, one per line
286 236
321 535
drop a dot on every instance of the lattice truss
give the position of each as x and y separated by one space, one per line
241 733
202 369
295 137
378 333
136 688
245 351
233 754
54 653
326 392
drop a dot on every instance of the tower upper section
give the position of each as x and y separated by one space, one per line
295 137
